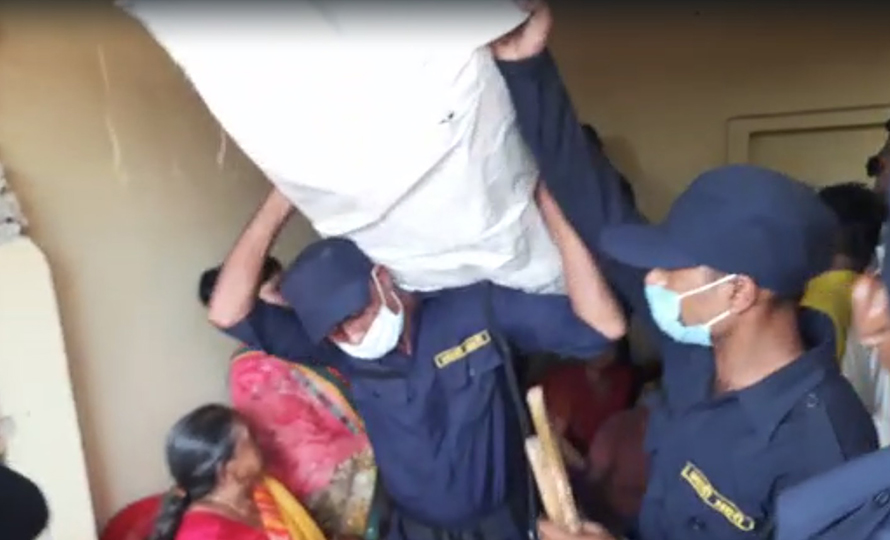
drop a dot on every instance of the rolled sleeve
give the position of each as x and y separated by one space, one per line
536 323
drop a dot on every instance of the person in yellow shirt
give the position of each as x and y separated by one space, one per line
861 213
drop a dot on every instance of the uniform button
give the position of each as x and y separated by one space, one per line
812 400
882 498
472 372
696 524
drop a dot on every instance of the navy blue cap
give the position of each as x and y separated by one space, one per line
326 284
738 219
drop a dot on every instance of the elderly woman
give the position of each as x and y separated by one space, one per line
221 491
306 426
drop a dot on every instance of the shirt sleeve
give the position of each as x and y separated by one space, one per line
537 323
837 502
278 331
581 179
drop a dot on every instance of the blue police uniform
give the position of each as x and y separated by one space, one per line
717 461
851 502
441 420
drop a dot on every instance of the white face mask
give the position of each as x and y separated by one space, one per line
383 334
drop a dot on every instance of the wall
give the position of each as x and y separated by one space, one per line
662 83
131 192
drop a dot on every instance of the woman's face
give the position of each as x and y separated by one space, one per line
246 466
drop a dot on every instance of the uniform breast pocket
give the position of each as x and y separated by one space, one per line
470 385
389 406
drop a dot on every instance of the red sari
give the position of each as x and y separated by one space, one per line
582 405
200 525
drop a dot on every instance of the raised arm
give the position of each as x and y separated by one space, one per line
235 307
582 181
236 288
581 178
590 295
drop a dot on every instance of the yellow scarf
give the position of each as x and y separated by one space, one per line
284 518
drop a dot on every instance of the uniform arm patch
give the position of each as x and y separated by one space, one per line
715 500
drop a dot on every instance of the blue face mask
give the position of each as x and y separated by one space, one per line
665 307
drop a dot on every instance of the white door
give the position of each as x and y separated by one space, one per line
819 157
820 148
36 395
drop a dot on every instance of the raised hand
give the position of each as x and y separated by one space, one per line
871 314
589 531
530 38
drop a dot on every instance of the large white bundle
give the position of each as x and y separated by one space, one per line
387 124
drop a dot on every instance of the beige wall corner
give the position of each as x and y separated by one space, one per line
131 190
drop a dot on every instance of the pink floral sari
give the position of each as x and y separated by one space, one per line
313 440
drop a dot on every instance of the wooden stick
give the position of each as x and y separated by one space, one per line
544 480
554 466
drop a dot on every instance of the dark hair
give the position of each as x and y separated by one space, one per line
198 446
874 167
627 191
208 279
593 139
861 213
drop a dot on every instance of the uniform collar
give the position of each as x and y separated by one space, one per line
768 402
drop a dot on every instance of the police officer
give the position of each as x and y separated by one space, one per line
753 401
851 502
424 371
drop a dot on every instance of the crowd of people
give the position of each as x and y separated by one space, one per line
363 410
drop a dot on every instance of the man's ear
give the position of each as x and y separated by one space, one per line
744 294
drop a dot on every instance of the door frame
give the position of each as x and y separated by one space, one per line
742 129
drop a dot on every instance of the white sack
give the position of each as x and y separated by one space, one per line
387 124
